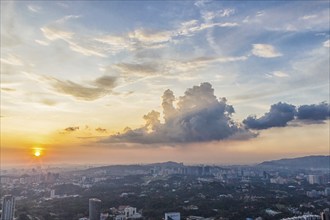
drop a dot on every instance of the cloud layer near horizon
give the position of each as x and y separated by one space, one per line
200 116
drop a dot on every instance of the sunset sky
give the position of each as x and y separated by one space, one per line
216 82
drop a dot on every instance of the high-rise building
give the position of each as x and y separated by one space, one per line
8 208
314 179
94 209
172 216
52 193
325 215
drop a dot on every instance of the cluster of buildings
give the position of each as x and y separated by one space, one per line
122 213
324 216
48 177
315 194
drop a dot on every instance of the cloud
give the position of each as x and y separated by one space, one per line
314 112
278 74
48 102
142 69
12 60
282 113
189 28
79 44
326 43
96 89
199 116
101 130
8 89
278 116
265 50
308 17
52 33
106 82
71 129
85 50
34 8
201 3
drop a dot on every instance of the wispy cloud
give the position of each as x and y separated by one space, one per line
142 69
34 8
265 50
55 31
12 59
279 74
94 90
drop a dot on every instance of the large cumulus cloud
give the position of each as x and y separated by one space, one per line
198 116
278 116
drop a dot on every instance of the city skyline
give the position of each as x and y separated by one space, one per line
213 82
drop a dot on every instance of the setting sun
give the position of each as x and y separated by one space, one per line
37 152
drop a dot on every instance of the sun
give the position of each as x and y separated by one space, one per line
37 152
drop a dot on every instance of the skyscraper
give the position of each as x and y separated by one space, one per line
94 209
325 215
8 207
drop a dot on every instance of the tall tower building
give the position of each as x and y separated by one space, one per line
94 209
325 215
8 208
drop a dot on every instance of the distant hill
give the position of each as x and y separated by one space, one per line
130 169
168 164
308 162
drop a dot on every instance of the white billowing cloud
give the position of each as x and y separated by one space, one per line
326 43
198 117
265 50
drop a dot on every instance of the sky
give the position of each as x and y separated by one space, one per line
115 82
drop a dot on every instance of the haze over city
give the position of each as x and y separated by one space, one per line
212 82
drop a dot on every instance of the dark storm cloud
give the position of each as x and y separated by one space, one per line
278 116
314 112
199 116
94 90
